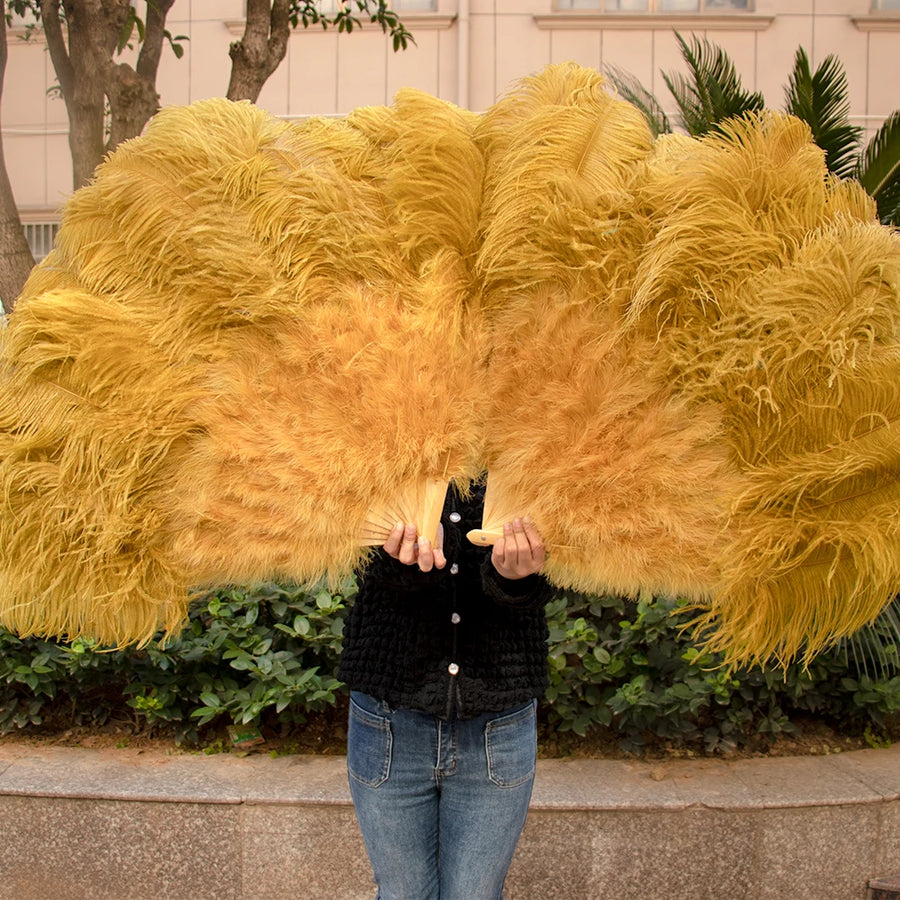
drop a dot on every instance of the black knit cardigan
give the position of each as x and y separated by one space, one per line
459 641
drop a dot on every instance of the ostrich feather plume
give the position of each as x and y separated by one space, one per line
774 296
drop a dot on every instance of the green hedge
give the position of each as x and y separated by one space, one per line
630 666
269 655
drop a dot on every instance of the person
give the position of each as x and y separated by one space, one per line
445 653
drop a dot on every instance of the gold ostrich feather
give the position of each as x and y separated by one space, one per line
560 155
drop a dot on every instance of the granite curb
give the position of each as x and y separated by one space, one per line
123 825
851 778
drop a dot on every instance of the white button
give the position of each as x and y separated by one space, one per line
453 668
455 517
454 569
455 619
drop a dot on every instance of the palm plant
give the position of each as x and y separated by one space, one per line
712 92
821 99
876 646
630 88
878 169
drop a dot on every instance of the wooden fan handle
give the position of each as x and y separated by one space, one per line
482 538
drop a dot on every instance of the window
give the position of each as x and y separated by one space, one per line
664 6
878 5
40 237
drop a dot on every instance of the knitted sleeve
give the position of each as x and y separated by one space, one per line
387 572
528 593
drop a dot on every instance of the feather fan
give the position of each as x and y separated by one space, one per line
257 346
774 297
227 361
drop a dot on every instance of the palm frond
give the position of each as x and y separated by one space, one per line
630 89
713 92
875 647
822 100
879 169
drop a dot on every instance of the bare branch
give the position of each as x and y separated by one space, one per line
154 38
56 44
262 48
16 260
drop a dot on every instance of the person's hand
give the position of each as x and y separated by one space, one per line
520 552
405 545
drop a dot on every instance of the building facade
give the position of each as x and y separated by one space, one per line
466 51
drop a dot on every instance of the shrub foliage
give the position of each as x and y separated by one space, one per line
269 654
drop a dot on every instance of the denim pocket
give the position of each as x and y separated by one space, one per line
368 743
511 744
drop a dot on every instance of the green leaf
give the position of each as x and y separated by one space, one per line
713 93
128 27
822 100
879 169
630 89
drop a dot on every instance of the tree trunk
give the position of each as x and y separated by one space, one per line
132 101
16 260
88 76
133 98
79 68
258 54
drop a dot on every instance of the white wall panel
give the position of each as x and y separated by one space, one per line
25 85
209 65
448 64
741 46
482 67
275 95
482 7
417 66
26 165
522 49
58 175
791 7
777 48
362 70
582 47
666 58
313 72
631 51
214 10
883 74
518 7
838 35
842 7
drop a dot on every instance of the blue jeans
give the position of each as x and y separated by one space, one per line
440 804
